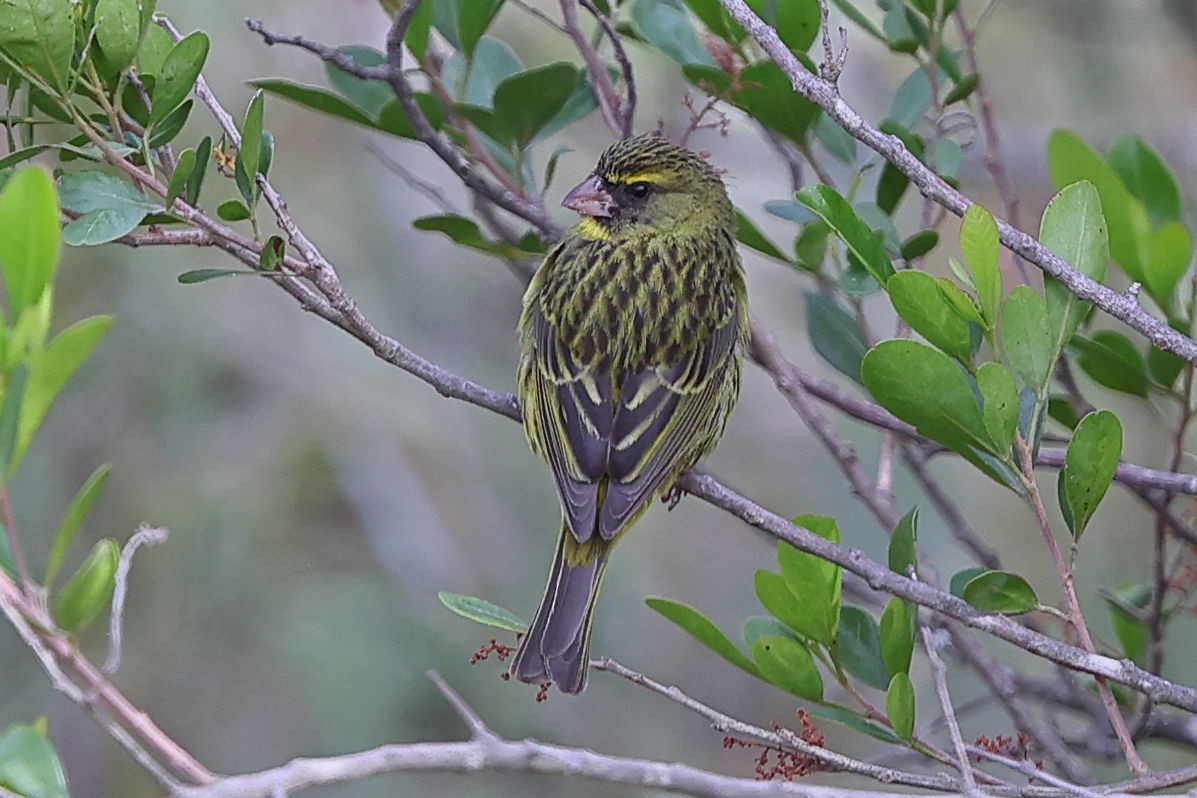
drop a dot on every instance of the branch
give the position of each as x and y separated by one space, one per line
392 73
1124 307
781 736
488 752
596 70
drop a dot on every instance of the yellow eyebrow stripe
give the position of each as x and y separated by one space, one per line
639 177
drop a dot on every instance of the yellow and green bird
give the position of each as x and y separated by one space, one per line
631 339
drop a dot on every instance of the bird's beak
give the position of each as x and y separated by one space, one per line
590 198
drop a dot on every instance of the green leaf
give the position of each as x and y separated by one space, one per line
912 100
903 554
1089 466
369 95
473 18
806 619
835 334
232 210
467 233
961 303
273 253
712 14
703 630
83 192
155 46
858 647
315 98
852 721
204 275
797 23
1000 591
1112 360
861 240
890 187
184 166
759 626
999 403
1069 160
1073 228
787 664
1164 367
899 706
194 183
76 513
178 74
10 413
88 591
750 236
482 611
118 31
49 371
29 765
897 630
837 141
668 28
1025 337
919 244
249 157
811 246
921 386
526 102
979 244
40 35
962 578
814 582
1131 632
29 237
764 93
474 83
416 37
917 299
20 156
1166 259
1147 177
963 89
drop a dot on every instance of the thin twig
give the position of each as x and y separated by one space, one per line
1064 574
596 70
780 737
145 536
627 110
939 675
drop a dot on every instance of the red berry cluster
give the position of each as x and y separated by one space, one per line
500 650
542 694
785 763
1016 747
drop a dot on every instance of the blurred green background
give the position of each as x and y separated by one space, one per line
318 499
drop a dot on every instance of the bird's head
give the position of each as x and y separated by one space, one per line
650 186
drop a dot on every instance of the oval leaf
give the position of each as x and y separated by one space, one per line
482 611
88 591
1000 591
786 663
1089 466
703 630
899 706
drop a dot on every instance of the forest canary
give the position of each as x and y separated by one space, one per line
631 338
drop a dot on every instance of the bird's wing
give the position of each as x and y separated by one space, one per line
568 417
667 418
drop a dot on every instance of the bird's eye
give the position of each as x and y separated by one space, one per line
640 190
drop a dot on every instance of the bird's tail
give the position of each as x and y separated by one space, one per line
557 645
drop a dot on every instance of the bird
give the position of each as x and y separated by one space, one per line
632 335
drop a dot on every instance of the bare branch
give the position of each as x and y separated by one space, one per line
780 737
478 728
145 536
939 676
596 70
628 109
1123 307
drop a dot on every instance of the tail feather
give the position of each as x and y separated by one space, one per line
557 645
